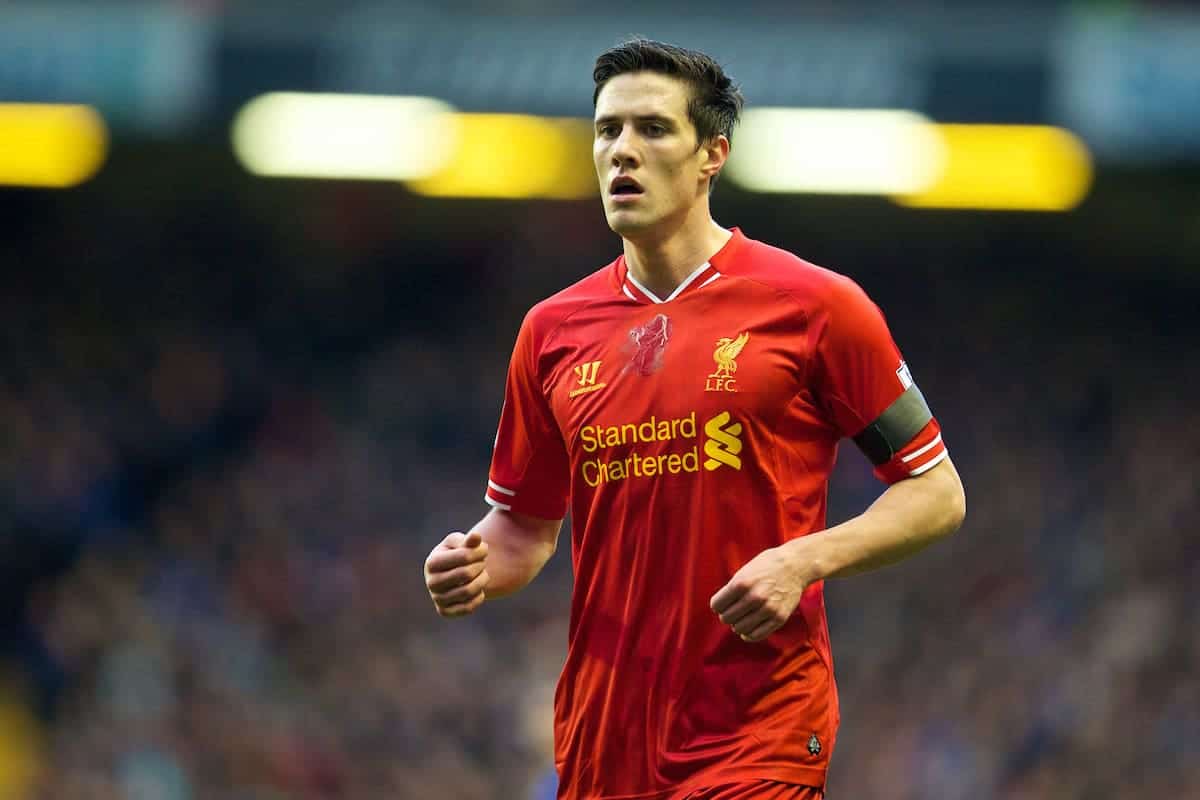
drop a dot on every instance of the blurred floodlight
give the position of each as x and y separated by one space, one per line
1007 167
834 151
516 156
370 137
53 146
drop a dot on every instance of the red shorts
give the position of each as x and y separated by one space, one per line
756 790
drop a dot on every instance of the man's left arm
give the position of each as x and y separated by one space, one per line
869 395
910 515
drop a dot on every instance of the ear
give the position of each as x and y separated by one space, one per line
715 153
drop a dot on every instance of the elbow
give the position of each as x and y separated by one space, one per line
946 500
548 551
954 504
957 513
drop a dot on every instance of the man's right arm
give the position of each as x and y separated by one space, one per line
502 553
528 486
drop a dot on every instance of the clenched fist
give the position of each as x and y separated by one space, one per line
456 575
761 596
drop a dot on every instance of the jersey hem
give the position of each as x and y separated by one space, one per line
922 453
798 776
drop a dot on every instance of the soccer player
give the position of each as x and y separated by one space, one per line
685 403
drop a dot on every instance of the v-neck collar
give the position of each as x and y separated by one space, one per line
702 276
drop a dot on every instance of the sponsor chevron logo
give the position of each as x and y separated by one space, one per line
724 443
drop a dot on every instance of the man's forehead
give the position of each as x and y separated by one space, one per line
637 94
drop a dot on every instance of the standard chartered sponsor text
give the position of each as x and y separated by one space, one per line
596 439
599 437
597 471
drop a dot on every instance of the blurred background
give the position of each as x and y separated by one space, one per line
263 265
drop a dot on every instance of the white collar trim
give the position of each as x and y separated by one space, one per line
686 282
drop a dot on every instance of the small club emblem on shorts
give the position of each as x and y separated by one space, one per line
814 745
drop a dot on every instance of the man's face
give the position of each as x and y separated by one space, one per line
650 168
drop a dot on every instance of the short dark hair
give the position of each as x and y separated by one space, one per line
716 102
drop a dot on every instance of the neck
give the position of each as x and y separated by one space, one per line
661 264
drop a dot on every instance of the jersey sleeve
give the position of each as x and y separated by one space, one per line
867 390
530 473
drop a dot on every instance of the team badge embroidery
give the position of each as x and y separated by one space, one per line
814 745
648 345
725 355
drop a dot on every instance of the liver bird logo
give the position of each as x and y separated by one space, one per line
648 344
726 353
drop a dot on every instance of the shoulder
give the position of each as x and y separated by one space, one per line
549 314
814 287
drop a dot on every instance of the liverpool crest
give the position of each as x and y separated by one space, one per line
725 355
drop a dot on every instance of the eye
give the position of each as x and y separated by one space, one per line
608 130
655 129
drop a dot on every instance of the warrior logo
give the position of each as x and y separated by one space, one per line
649 343
587 379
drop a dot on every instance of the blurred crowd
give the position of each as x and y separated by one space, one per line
229 445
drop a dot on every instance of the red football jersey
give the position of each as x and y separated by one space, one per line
689 434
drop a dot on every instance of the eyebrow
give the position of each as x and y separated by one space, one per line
667 121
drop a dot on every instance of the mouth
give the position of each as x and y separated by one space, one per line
624 188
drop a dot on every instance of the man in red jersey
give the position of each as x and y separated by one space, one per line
687 401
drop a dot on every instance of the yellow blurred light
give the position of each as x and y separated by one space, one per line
834 151
1007 167
515 156
367 137
47 145
22 756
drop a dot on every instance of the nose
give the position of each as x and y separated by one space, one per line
624 149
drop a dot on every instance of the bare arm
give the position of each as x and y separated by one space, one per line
518 547
502 553
910 515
